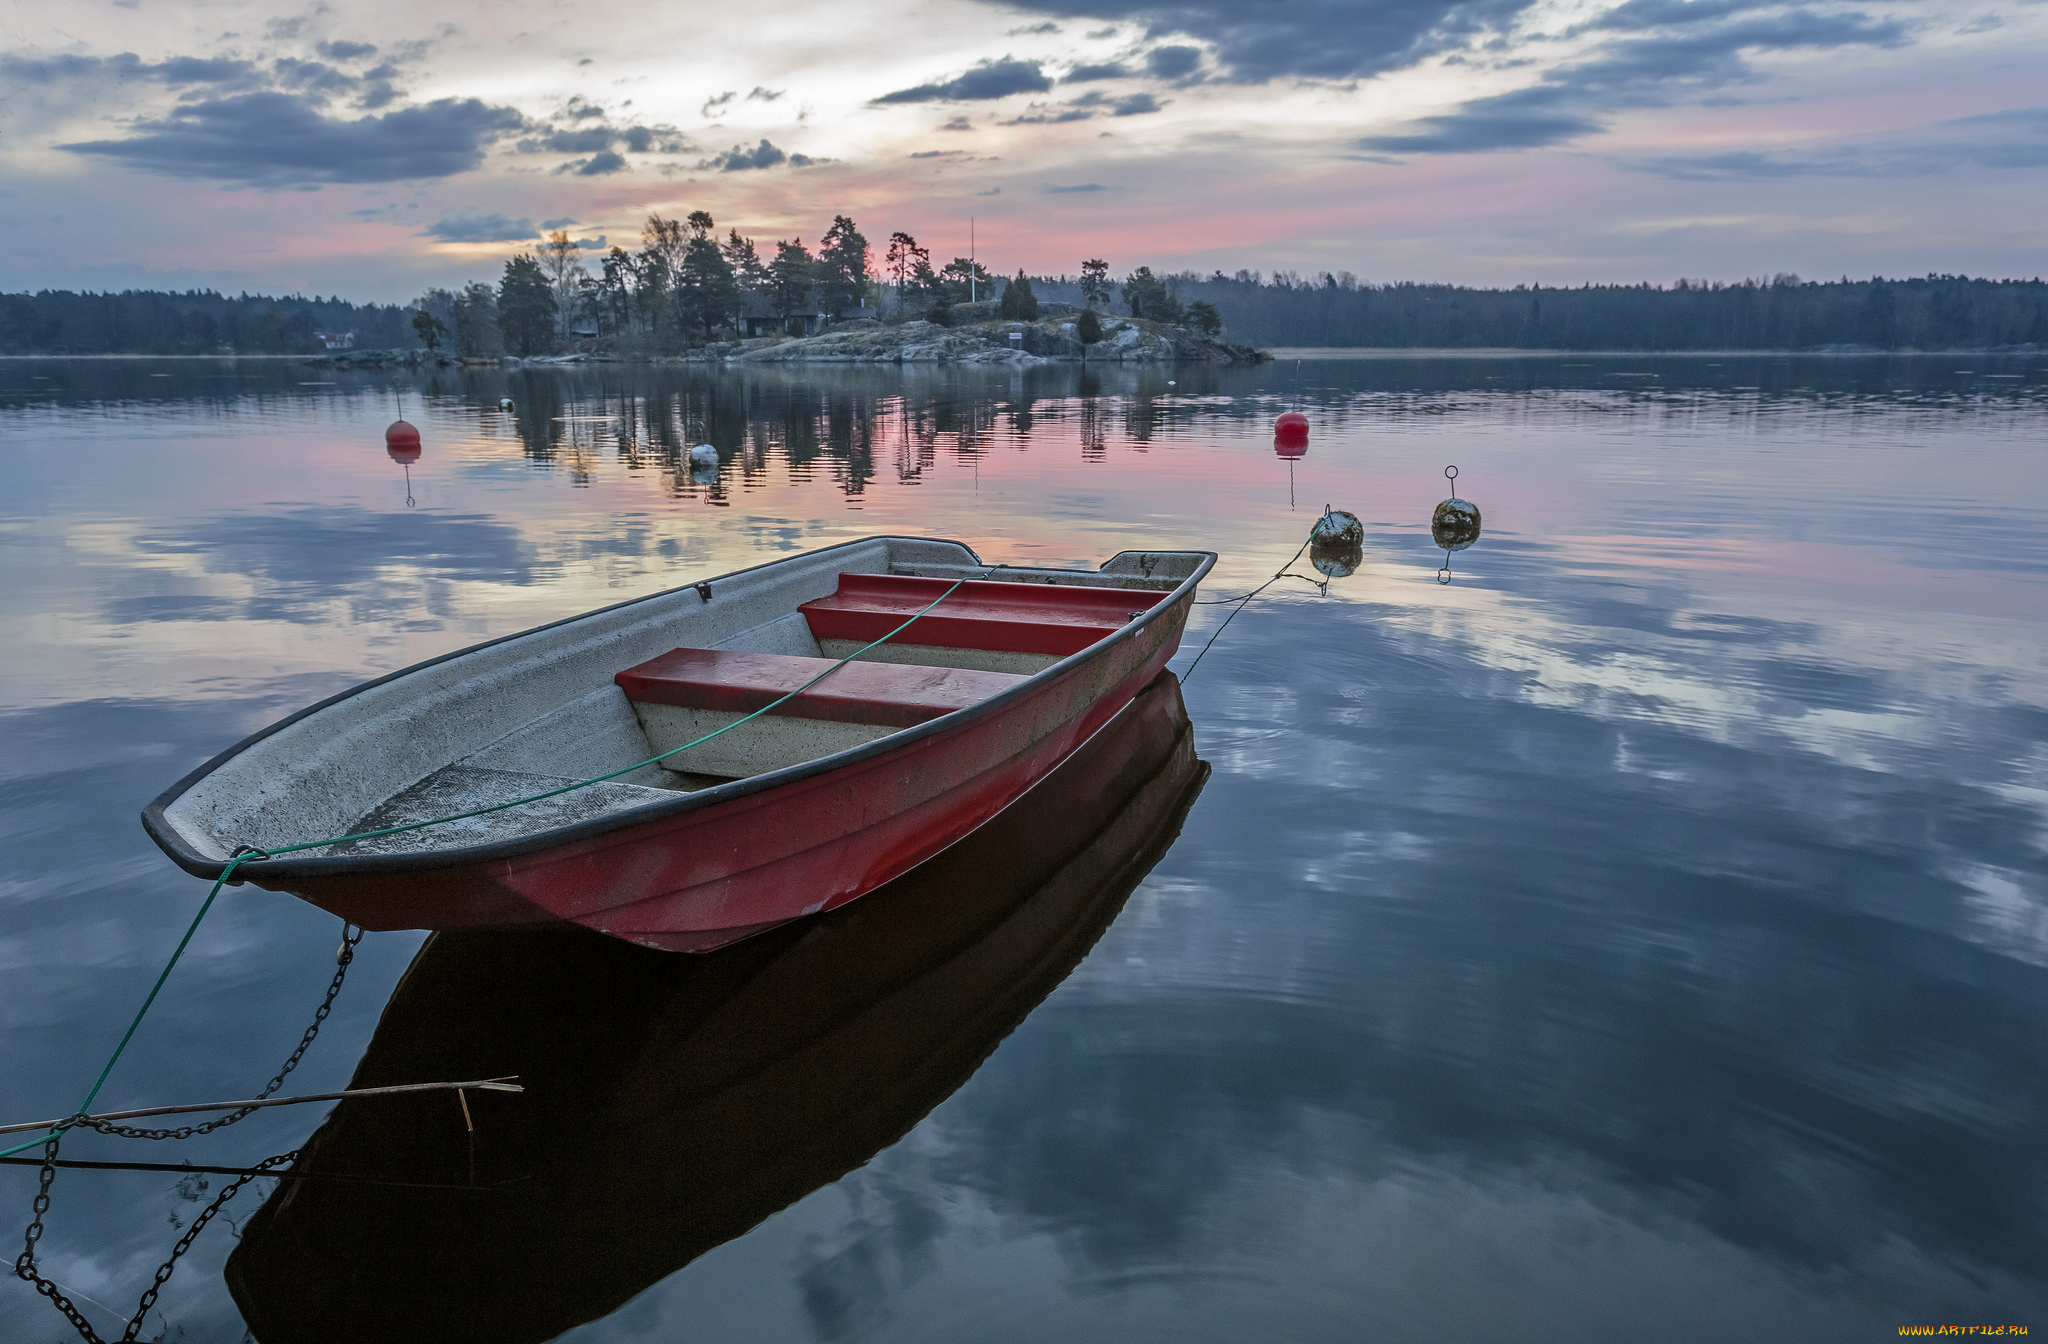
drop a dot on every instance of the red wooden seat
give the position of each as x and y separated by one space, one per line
1001 617
892 695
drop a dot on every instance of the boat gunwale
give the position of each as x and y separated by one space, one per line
172 841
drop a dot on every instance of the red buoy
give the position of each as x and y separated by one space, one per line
402 441
1290 435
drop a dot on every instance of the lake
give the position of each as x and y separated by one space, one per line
1633 925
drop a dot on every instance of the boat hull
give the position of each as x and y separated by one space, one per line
702 1094
703 878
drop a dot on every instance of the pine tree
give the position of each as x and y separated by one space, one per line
1019 303
526 307
843 265
790 277
1095 283
706 292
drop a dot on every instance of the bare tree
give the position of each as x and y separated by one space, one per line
561 260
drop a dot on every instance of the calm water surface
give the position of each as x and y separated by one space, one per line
1642 935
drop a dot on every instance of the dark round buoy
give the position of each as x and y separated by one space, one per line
1455 524
1336 545
1337 528
1290 434
402 435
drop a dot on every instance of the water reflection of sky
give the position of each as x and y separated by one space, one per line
1646 930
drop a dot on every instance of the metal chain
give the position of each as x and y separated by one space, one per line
343 955
25 1263
163 1273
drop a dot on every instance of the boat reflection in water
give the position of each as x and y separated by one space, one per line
673 1102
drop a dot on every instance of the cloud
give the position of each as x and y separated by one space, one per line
1504 122
1674 48
1084 74
480 229
1173 62
1312 39
315 75
764 155
177 71
564 222
1094 103
597 165
346 51
283 140
1052 190
716 101
587 140
958 124
1035 30
992 191
599 139
1130 105
1049 117
990 79
2017 138
757 94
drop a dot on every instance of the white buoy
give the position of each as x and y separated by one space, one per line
703 455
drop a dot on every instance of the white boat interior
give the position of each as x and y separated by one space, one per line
544 709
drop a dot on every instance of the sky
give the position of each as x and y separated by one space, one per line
376 149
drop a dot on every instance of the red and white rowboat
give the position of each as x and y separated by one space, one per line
878 767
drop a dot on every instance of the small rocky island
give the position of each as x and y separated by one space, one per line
974 338
971 337
688 297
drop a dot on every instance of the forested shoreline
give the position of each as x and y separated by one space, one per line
1935 312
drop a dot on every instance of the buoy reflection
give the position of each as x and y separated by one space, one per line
1454 525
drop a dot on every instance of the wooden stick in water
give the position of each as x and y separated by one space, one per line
506 1084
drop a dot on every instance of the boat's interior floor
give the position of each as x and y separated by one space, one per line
465 788
985 638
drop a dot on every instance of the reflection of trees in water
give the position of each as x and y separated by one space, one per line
916 444
814 420
1094 444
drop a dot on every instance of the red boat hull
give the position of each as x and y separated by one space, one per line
701 879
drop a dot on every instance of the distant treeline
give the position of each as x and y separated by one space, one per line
197 322
1940 312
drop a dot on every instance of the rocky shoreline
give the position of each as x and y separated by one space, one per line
1051 341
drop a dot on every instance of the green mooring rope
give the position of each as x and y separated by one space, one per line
249 853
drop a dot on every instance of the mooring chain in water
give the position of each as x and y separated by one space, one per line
25 1263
